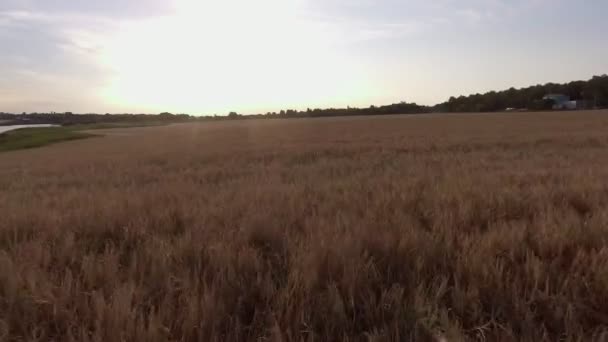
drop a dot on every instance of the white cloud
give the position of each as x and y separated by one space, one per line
478 11
57 68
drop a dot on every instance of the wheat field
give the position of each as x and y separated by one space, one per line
480 227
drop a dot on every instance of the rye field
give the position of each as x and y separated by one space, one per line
467 227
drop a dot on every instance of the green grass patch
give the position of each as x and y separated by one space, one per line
39 136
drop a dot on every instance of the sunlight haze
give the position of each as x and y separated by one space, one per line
208 57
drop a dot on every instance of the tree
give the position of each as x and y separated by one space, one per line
593 91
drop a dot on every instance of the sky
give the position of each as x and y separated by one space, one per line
214 56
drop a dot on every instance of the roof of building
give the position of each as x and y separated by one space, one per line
557 97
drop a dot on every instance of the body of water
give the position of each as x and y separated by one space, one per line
4 129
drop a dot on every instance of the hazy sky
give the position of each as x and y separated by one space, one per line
213 56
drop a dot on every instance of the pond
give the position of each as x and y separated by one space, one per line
4 129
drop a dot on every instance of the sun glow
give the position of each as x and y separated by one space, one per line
215 56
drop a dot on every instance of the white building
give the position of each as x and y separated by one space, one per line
561 101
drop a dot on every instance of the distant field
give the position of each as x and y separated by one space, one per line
467 227
32 137
106 125
37 137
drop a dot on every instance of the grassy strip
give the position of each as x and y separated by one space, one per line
41 136
36 137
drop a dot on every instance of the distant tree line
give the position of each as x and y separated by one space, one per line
397 108
593 93
69 118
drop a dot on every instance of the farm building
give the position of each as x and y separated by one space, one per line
561 101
